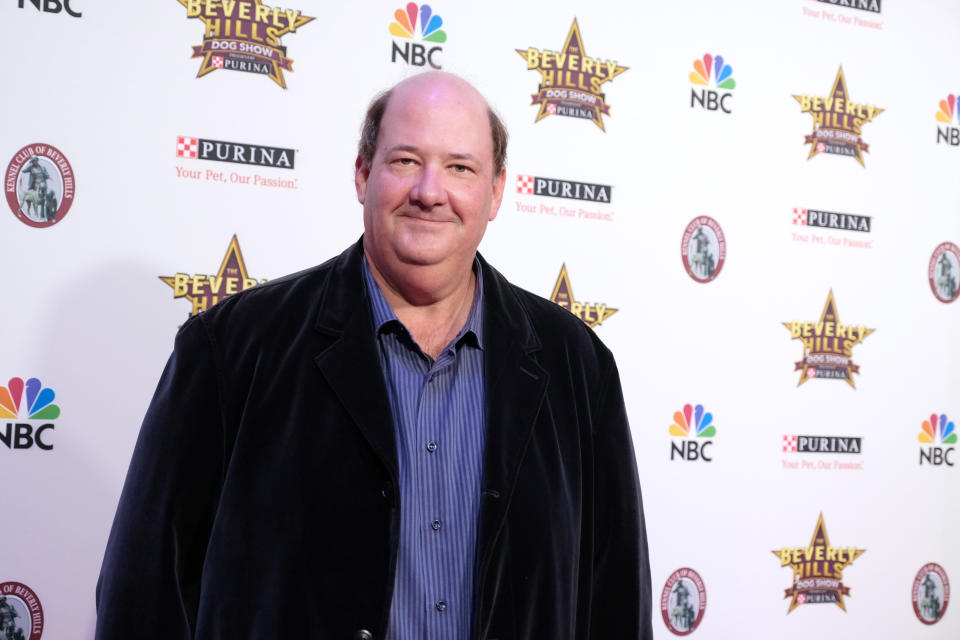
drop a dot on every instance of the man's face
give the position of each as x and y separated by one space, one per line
430 190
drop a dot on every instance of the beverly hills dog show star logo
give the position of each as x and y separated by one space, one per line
837 121
591 314
817 570
827 345
244 35
205 291
571 81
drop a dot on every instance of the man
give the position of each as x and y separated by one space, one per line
395 444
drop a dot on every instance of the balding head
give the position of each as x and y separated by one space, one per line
422 85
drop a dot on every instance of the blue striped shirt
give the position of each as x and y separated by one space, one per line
439 420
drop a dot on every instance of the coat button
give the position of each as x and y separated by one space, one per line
441 605
387 490
363 634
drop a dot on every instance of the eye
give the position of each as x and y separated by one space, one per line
461 168
404 161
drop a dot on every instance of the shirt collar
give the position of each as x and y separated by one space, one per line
383 313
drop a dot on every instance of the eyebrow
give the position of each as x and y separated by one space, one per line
412 149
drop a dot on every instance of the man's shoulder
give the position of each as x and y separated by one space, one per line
278 307
554 327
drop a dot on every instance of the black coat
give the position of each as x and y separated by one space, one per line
261 500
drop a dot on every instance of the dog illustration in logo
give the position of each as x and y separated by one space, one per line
9 630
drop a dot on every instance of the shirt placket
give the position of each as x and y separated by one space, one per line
435 459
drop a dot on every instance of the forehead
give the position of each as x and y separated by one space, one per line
438 117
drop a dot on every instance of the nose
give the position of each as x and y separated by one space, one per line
429 190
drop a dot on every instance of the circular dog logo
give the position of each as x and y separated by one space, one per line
683 601
39 183
21 615
944 272
931 593
704 249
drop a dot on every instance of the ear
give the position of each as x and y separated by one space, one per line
360 177
498 185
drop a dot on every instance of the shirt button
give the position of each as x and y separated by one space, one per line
435 525
441 605
431 446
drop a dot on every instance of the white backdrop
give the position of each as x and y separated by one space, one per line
87 314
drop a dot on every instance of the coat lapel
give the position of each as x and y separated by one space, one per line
350 363
515 388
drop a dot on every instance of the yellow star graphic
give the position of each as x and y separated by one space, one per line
819 567
206 291
250 25
591 314
827 345
837 121
573 72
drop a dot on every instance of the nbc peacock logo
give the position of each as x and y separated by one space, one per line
404 27
29 401
696 428
947 114
937 431
712 71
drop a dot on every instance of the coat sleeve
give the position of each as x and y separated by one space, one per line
149 584
622 599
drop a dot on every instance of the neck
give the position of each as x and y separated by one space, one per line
432 311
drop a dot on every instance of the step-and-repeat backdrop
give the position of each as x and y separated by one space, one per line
756 205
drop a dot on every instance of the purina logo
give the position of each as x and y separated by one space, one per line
683 601
52 6
711 70
831 220
571 81
238 152
405 27
944 272
244 35
21 614
837 121
872 6
937 431
205 291
817 570
824 446
556 188
947 114
32 401
692 424
821 444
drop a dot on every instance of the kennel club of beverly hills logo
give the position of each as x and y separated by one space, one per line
703 249
21 614
931 593
591 314
683 601
827 345
244 35
944 272
837 121
205 291
570 80
39 185
817 570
